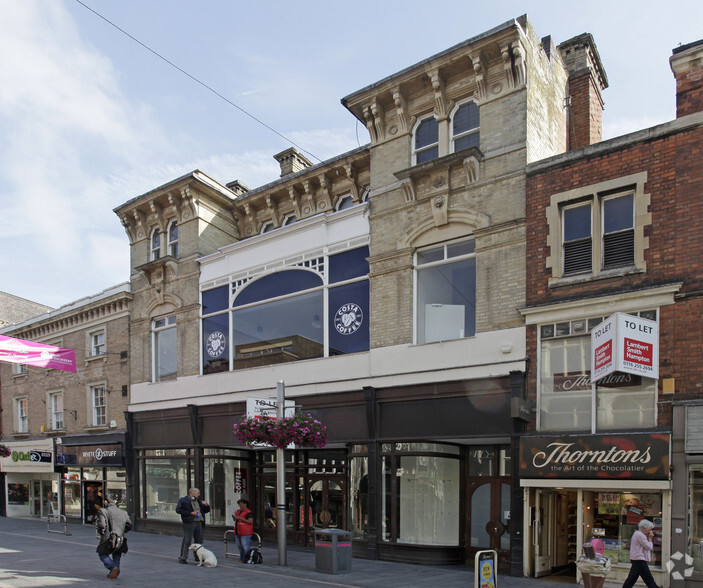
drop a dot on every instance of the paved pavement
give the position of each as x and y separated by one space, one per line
31 556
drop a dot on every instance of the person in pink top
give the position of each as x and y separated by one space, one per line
640 553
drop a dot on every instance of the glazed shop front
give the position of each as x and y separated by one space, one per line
434 498
90 466
578 488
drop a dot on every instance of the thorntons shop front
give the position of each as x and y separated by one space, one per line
577 488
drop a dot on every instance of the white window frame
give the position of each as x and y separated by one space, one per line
55 409
578 332
98 343
22 415
155 244
98 405
446 260
172 244
20 369
471 131
158 326
422 149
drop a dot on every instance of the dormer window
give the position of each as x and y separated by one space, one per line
155 244
173 239
267 227
289 220
465 126
426 140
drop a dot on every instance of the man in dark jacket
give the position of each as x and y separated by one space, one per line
112 523
192 511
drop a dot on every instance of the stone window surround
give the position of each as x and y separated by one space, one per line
445 139
594 193
90 353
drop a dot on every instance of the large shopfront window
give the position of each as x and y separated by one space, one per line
227 479
613 517
421 489
167 475
315 309
566 402
359 492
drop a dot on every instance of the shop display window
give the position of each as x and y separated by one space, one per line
359 486
421 492
166 481
613 517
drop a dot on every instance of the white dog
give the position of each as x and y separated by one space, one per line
205 556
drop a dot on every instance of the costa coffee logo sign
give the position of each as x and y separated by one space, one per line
575 382
641 457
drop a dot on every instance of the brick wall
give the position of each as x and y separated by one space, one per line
675 237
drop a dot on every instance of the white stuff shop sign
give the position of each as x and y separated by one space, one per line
628 457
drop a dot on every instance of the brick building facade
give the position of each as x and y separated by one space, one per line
67 431
615 227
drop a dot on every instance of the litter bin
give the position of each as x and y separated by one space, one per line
332 551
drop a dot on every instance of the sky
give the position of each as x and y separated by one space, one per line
91 116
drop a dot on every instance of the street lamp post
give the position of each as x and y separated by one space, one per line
281 480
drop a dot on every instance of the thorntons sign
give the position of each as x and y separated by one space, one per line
633 457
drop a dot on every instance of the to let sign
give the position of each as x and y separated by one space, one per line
625 343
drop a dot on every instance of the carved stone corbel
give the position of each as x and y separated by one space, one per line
354 188
295 199
188 203
442 106
440 209
520 65
251 219
157 214
401 109
409 190
379 120
324 194
480 69
471 167
368 117
273 209
507 56
309 198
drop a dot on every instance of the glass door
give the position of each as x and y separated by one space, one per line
489 512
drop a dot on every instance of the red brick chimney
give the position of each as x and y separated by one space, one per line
687 65
587 80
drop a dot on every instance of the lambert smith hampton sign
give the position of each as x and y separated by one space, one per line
625 343
629 457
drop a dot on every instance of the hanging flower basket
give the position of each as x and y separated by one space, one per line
301 429
4 450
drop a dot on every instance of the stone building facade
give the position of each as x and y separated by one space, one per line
67 431
614 227
382 287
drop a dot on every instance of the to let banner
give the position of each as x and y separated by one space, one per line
37 354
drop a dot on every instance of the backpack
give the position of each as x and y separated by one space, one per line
253 556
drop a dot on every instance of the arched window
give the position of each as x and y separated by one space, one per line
155 244
173 239
289 315
465 126
426 140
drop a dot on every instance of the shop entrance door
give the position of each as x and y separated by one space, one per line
489 517
542 532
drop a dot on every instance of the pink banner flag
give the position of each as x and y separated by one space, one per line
37 354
